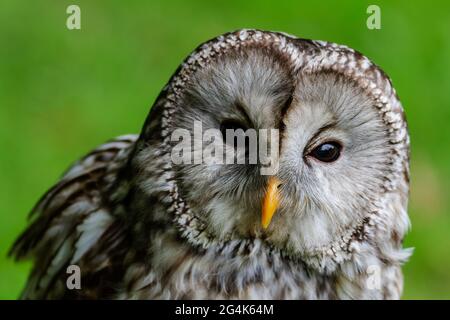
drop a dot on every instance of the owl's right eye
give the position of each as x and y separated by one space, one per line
236 136
231 125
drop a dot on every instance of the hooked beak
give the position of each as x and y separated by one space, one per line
271 201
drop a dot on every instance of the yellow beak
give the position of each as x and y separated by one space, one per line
270 202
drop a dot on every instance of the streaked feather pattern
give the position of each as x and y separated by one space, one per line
141 227
71 220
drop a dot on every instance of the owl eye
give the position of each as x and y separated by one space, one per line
235 125
232 125
327 152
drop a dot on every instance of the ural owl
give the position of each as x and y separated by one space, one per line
328 224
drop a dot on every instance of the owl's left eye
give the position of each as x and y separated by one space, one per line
327 152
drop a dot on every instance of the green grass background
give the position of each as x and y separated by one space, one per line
63 92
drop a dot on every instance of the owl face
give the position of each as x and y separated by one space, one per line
332 151
341 152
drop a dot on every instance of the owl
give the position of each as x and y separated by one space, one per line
328 223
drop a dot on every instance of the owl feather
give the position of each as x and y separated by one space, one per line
140 226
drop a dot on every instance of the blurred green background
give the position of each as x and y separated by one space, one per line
63 92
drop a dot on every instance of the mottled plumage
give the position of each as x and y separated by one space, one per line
140 226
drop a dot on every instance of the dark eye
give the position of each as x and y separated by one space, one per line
327 152
232 125
237 134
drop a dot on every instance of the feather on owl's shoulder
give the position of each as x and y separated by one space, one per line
72 224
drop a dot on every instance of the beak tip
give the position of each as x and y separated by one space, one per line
270 203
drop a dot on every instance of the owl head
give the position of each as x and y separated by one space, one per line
340 152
